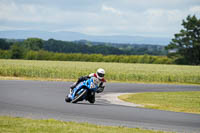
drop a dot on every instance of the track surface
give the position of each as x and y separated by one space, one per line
43 99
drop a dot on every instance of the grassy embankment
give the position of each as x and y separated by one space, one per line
124 72
24 125
172 101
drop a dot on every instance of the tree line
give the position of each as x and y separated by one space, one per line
131 49
16 53
84 47
38 49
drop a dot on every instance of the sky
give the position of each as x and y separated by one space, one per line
156 18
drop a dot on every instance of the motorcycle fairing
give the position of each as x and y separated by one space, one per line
89 84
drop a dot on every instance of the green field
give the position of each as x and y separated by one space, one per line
173 101
124 72
24 125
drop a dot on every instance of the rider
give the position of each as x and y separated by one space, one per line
99 75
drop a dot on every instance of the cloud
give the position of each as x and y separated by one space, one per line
29 13
24 12
195 10
111 9
100 17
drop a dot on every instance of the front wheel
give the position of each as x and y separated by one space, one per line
67 99
78 97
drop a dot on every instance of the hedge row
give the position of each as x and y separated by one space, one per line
45 55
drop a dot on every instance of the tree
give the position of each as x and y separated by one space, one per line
4 45
34 44
187 43
17 52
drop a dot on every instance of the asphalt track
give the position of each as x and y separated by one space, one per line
43 100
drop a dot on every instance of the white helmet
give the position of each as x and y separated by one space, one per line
100 73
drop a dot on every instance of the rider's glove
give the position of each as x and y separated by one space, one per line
100 89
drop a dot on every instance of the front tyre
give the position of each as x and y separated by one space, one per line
78 97
67 99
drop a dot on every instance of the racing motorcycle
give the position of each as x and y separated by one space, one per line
83 91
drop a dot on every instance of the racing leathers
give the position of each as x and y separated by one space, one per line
101 83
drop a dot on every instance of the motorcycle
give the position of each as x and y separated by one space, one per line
84 91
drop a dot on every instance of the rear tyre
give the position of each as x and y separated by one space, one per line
91 98
78 97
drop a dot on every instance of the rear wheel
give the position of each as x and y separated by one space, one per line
78 97
91 98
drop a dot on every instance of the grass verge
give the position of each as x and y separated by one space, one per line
24 125
73 80
188 102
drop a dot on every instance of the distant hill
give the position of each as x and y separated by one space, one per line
72 36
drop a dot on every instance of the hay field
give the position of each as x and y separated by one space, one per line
124 72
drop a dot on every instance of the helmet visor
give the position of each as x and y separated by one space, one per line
100 74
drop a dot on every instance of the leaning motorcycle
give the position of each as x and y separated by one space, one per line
83 91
